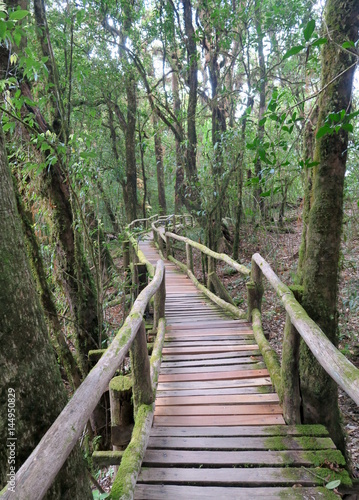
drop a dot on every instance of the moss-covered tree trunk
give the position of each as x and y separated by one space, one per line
27 361
159 166
46 296
130 145
262 102
320 270
309 144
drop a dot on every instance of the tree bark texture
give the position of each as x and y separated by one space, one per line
159 166
191 167
320 273
262 103
27 362
130 136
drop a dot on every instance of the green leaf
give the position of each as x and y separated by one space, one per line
17 15
262 121
3 27
17 38
333 484
294 50
348 45
319 41
323 131
266 193
308 30
348 127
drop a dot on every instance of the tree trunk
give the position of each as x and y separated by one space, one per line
131 173
320 273
179 183
47 299
28 366
309 143
262 103
59 124
240 180
191 167
159 166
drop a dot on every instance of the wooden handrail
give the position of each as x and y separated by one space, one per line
134 222
37 474
338 367
207 251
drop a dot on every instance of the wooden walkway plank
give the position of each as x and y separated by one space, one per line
176 492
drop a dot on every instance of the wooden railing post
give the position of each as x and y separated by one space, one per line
160 243
159 305
211 268
141 279
290 368
120 389
189 257
155 236
254 290
126 254
168 246
142 386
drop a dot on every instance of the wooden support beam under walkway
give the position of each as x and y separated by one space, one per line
218 428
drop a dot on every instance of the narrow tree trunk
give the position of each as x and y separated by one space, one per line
320 273
262 103
179 183
240 180
131 173
309 143
28 366
159 166
191 166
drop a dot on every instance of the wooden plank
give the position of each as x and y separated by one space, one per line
230 375
175 458
218 368
212 409
215 335
219 355
238 324
206 343
215 391
219 399
241 476
220 420
244 431
210 362
247 382
243 443
177 492
199 350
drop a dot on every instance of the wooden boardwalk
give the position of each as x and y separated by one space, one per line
218 426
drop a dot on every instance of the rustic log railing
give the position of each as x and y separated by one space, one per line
298 324
39 471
